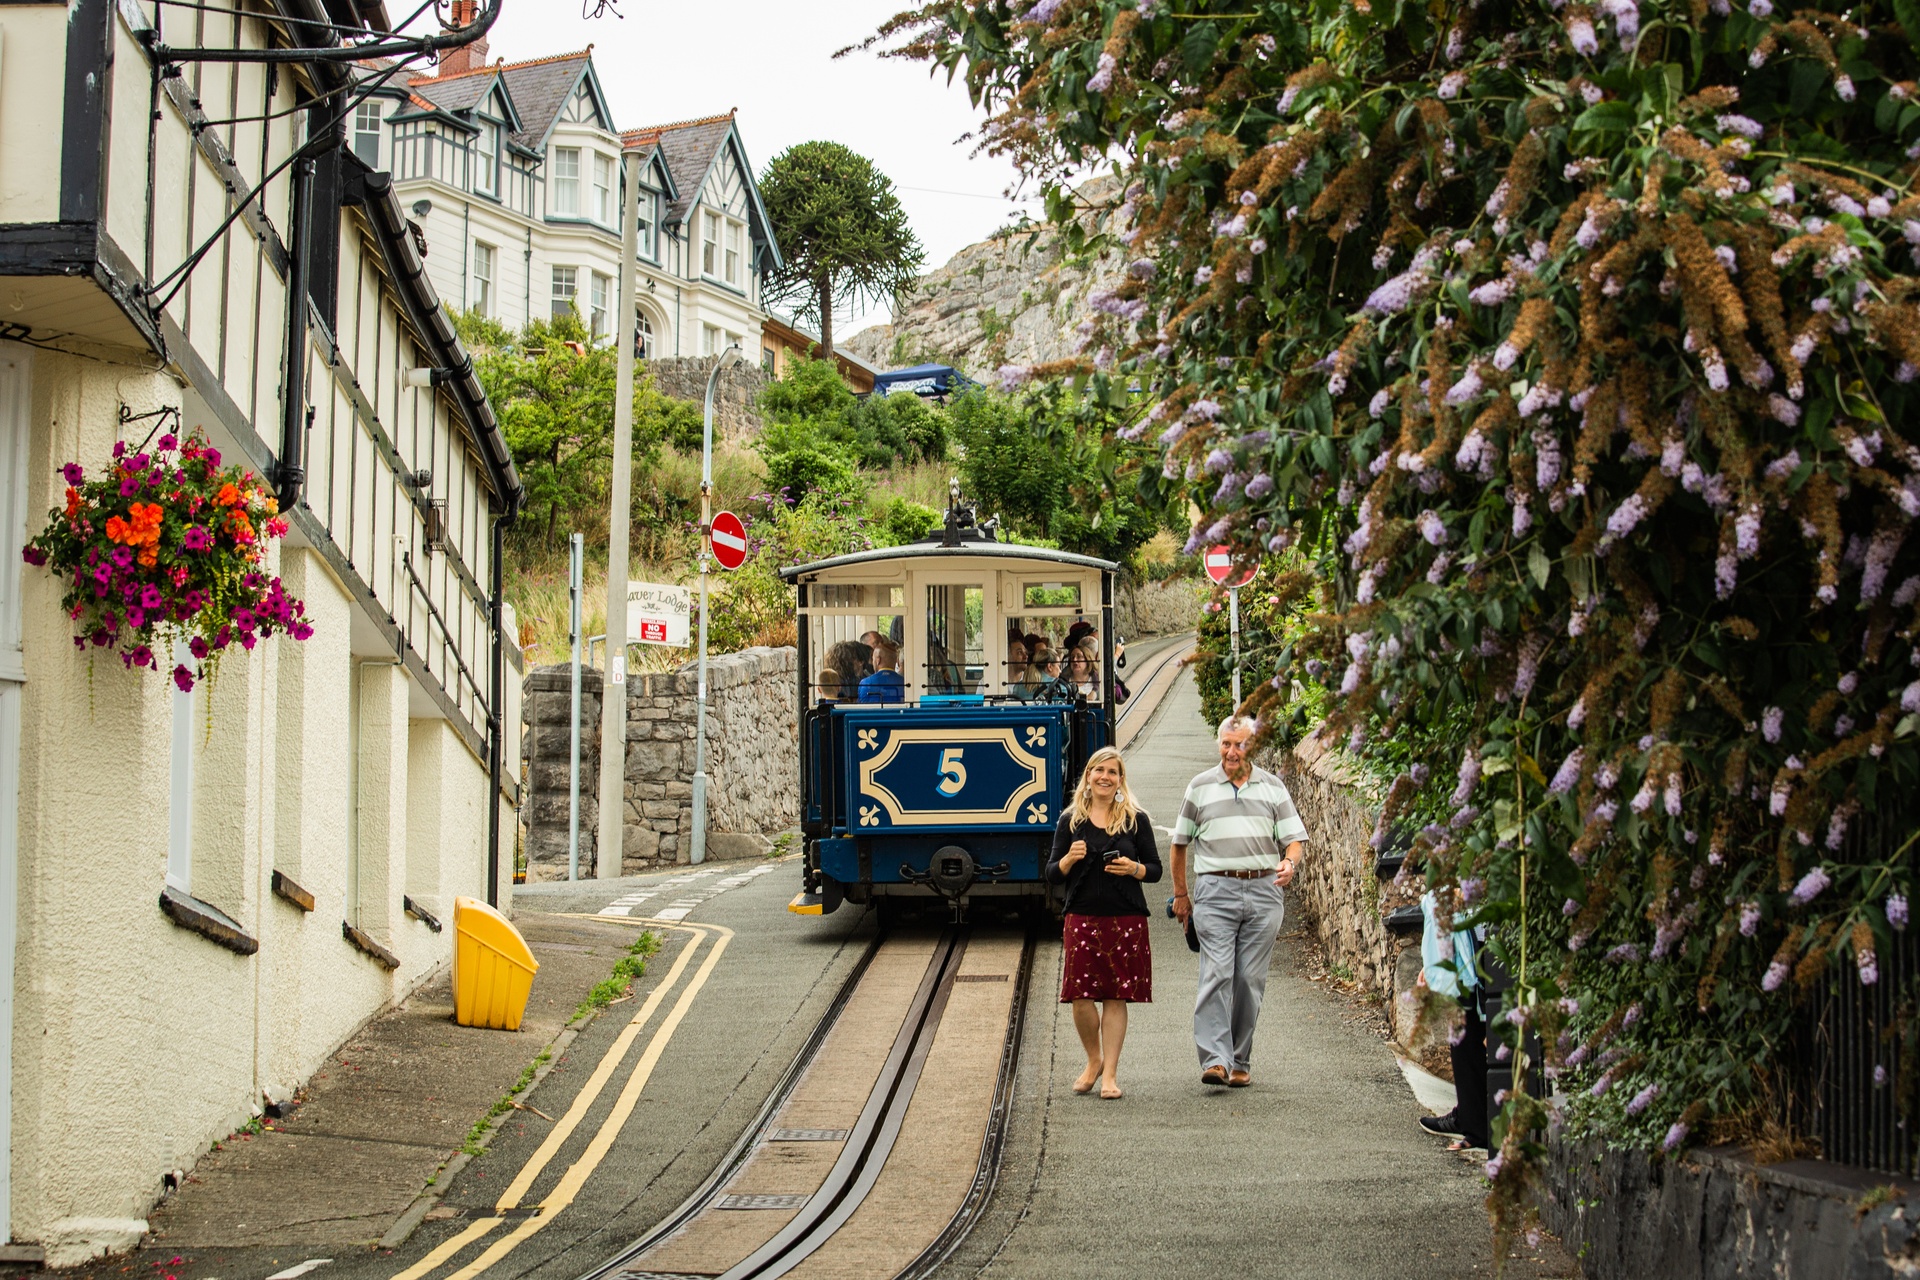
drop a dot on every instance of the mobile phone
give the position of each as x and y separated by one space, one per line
1110 855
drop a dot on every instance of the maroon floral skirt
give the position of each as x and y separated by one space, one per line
1108 958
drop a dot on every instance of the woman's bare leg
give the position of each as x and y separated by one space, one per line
1113 1034
1086 1020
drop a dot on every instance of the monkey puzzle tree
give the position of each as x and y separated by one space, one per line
840 228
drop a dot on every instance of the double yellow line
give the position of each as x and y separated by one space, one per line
583 1167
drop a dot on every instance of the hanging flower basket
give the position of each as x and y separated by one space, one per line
167 546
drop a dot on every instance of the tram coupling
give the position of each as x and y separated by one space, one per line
950 873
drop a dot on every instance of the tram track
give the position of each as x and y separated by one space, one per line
1151 683
704 1238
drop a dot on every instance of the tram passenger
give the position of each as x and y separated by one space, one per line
826 685
854 661
1017 666
1103 850
885 684
1042 670
1083 672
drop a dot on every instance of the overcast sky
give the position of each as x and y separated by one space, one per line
773 59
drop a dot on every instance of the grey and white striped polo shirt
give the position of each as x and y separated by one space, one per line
1237 828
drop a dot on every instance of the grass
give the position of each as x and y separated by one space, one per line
471 1144
626 969
782 845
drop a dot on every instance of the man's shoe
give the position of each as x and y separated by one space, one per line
1239 1079
1446 1126
1215 1075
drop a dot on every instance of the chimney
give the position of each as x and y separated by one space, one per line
469 57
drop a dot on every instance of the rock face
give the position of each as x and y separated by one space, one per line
1012 299
753 762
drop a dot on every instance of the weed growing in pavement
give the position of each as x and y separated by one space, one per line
782 845
471 1144
627 968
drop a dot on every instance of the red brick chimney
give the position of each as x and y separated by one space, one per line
470 57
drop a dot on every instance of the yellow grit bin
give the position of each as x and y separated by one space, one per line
493 968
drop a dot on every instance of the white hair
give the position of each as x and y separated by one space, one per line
1236 724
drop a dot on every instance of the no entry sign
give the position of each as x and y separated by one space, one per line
1221 569
729 540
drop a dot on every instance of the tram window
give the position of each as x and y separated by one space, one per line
1051 595
840 646
860 595
956 638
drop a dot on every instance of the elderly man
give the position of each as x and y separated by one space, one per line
1247 840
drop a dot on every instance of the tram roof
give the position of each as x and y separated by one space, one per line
967 550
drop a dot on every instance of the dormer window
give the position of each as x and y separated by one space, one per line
710 244
733 253
603 190
486 165
566 181
366 133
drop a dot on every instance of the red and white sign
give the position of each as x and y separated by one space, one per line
1220 567
652 633
657 614
729 540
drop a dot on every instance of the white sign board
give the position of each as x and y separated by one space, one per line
658 614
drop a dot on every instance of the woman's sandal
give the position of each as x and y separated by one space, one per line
1109 1094
1086 1082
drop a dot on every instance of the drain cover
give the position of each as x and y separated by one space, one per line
760 1202
808 1135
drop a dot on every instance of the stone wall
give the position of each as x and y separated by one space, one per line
1160 608
736 399
753 762
1717 1215
1346 904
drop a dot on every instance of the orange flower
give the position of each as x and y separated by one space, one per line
228 495
142 530
73 501
239 526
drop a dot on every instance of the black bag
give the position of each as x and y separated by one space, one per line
1193 939
1120 691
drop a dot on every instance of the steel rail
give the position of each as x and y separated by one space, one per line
742 1150
1175 652
871 1141
986 1176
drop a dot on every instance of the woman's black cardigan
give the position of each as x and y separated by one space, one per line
1090 890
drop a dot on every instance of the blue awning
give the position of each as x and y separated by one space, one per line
923 380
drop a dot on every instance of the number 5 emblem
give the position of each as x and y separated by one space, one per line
953 774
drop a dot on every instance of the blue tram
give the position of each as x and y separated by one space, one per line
945 781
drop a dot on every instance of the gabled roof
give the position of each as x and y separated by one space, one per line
537 90
691 148
647 154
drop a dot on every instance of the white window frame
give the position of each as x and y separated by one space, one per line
599 303
486 163
735 233
366 113
566 181
709 339
642 334
709 243
484 260
570 276
649 215
603 190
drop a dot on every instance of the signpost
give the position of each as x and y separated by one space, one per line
658 614
1221 568
729 540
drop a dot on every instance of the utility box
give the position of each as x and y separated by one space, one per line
493 968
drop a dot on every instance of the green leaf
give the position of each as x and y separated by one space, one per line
1908 12
1606 117
1198 48
1538 565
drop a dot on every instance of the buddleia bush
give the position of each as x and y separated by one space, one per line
1576 342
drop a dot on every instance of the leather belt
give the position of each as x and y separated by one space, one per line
1269 873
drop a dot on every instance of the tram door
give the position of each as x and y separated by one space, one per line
956 655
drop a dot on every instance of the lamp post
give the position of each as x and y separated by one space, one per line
698 854
613 689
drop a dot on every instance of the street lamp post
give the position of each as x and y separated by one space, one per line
613 689
728 358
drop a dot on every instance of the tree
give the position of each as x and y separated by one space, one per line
1577 348
840 229
553 395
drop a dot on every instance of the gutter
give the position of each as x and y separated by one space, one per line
454 366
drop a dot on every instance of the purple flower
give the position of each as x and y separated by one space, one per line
1675 1136
73 472
1472 890
1102 78
1625 953
1749 918
1203 275
1626 516
1260 486
1897 910
1469 775
183 678
1643 1099
1810 886
1570 907
1568 773
1770 721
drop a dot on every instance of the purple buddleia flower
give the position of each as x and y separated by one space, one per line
1570 908
1469 775
1678 1133
1810 886
1770 722
1102 78
1625 953
1897 910
1741 125
1643 1099
1869 966
1775 975
1749 918
1580 33
1568 773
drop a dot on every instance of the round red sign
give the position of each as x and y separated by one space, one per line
1220 567
728 539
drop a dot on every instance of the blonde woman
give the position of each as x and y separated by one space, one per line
1103 851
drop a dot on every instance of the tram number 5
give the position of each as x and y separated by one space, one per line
953 774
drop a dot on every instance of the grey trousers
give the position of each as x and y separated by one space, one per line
1237 922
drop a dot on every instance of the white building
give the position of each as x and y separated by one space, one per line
202 895
512 171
